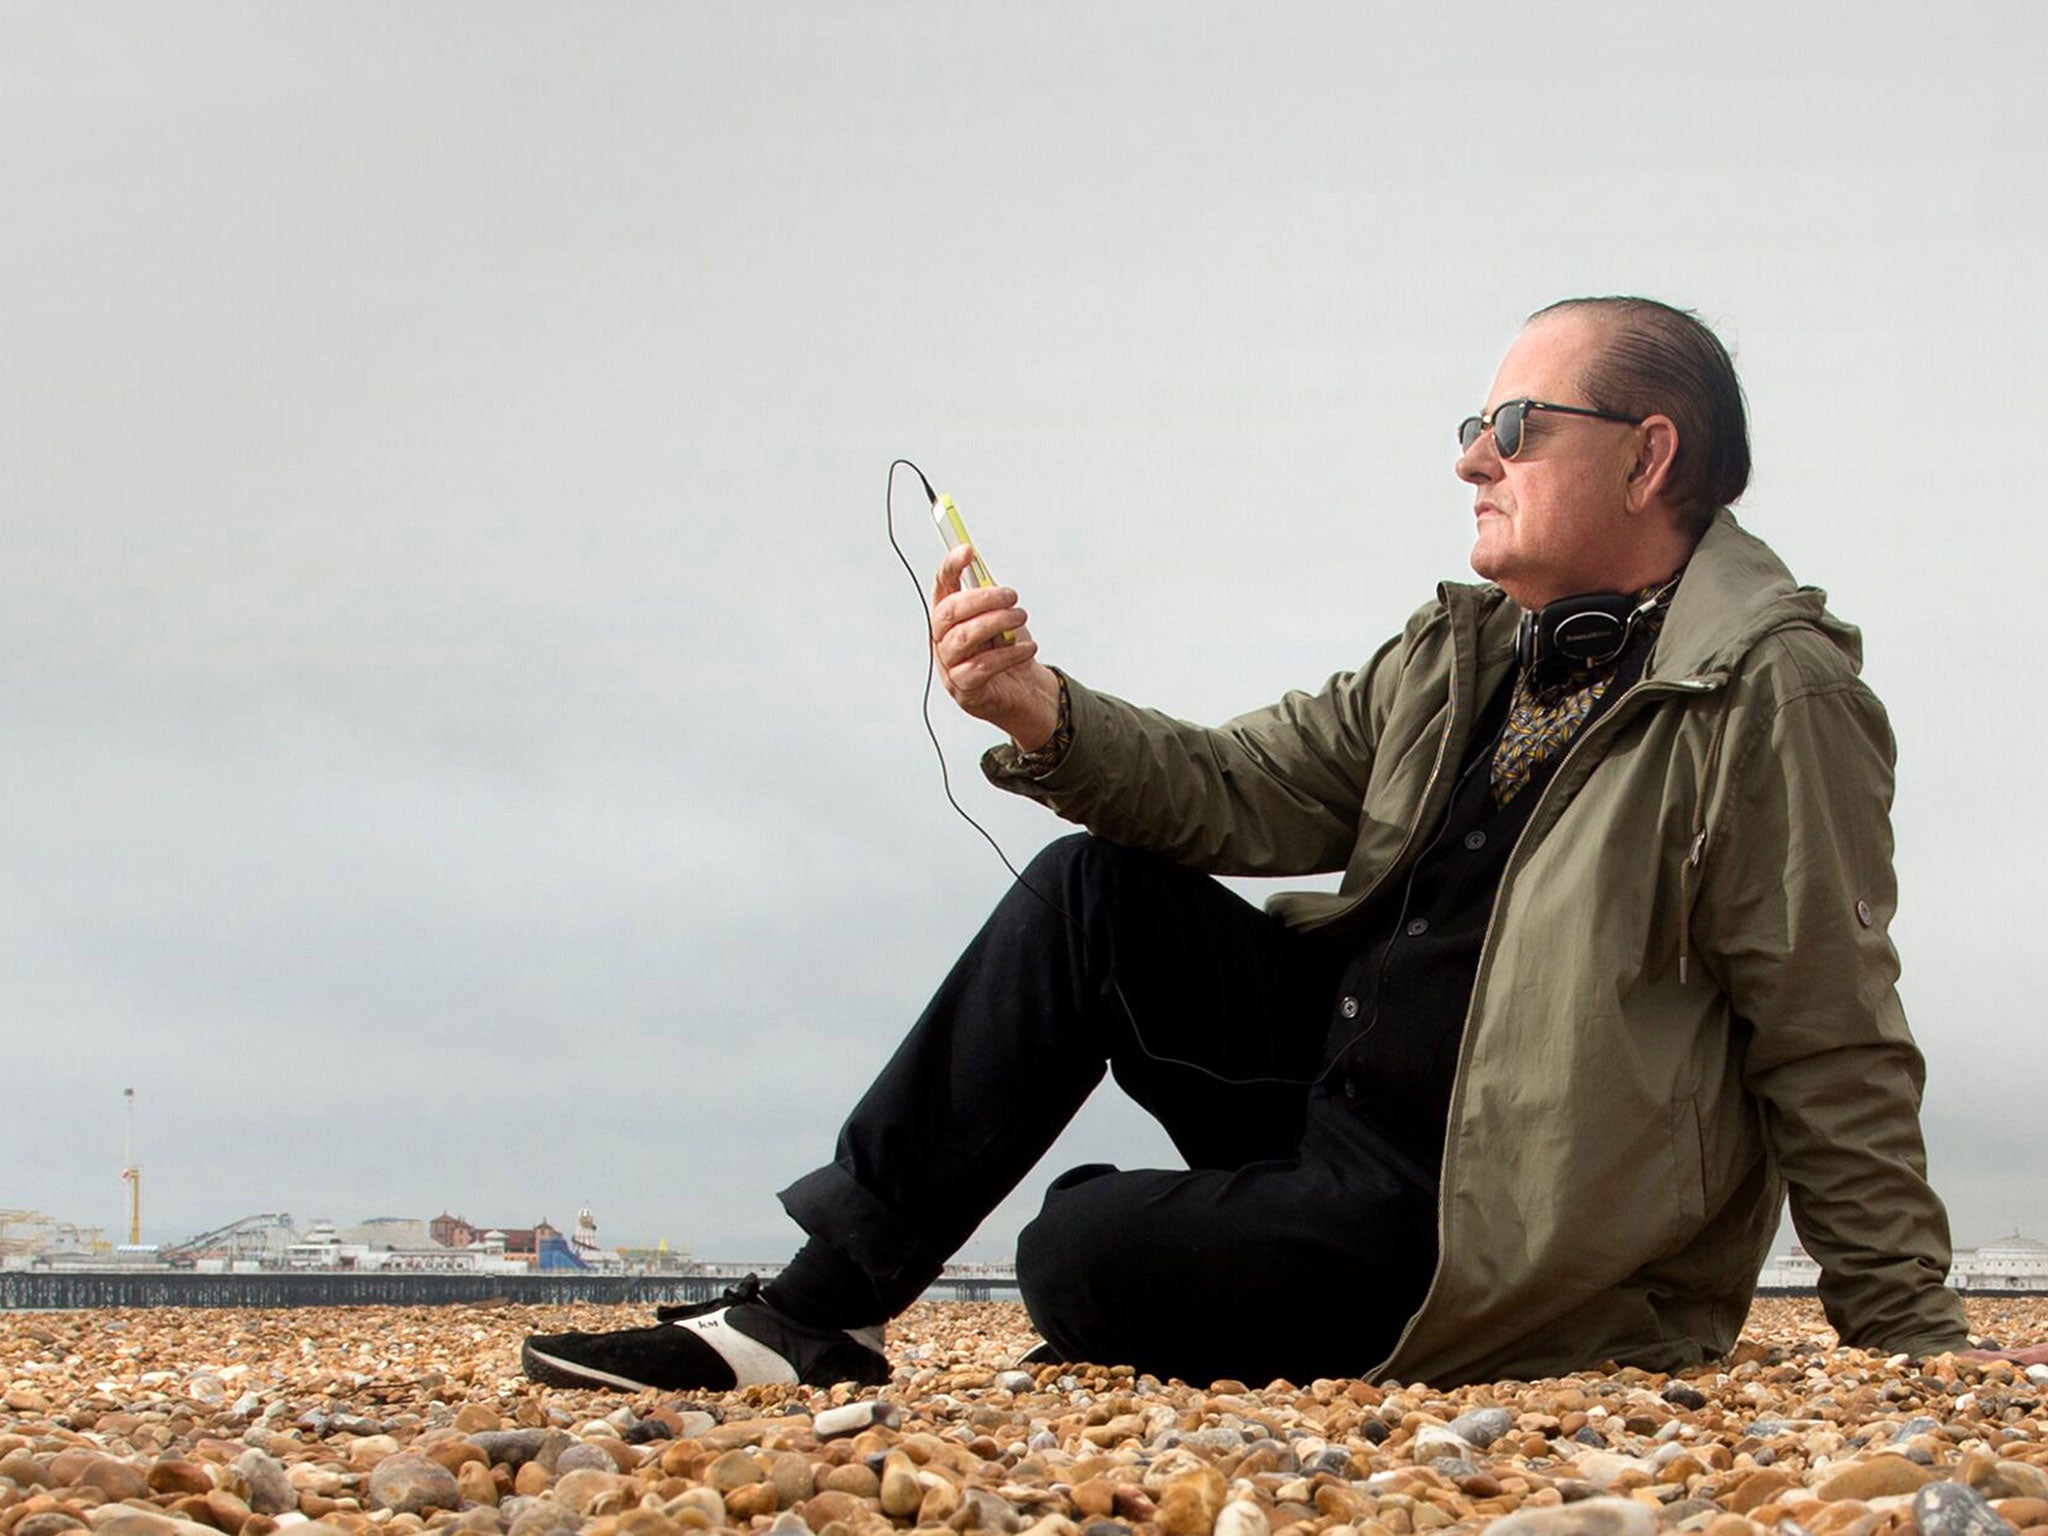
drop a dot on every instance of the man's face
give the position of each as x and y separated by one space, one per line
1552 520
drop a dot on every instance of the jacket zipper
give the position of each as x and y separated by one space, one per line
1638 691
1696 851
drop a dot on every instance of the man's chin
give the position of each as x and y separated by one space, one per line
1488 563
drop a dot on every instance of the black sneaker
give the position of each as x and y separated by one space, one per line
736 1341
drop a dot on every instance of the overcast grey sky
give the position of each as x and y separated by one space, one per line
459 735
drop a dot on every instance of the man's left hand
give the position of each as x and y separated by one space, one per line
2032 1354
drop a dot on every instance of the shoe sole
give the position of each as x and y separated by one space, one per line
553 1371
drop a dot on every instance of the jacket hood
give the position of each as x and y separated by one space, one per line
1735 592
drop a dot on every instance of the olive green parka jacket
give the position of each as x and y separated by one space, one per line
1685 1000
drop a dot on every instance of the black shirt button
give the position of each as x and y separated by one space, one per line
1475 840
1349 1007
1417 927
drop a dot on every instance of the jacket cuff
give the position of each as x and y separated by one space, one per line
1084 728
1042 760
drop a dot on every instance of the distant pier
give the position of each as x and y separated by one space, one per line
69 1289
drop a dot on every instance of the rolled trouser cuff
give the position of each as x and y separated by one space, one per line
831 1205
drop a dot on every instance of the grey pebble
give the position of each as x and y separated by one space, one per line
1374 1430
411 1483
1684 1395
270 1491
509 1447
1214 1442
1336 1461
1016 1381
246 1405
577 1458
1588 1435
1105 1528
1482 1426
1955 1509
271 1441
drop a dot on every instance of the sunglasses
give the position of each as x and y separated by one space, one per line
1506 421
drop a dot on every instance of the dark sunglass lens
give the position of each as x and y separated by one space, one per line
1469 430
1507 429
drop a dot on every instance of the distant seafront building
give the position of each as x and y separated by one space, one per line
2014 1263
389 1243
447 1244
541 1247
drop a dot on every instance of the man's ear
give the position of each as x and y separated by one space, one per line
1649 477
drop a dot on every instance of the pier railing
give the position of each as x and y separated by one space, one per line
61 1290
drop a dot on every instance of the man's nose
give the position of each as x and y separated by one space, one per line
1480 464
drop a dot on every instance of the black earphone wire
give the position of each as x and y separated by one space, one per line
946 782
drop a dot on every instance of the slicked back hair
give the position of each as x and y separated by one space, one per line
1655 360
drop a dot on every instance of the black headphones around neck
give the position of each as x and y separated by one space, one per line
1589 630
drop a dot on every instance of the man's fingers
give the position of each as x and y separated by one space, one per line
958 609
970 635
967 679
2031 1354
951 568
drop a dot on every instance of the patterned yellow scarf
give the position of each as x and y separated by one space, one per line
1543 722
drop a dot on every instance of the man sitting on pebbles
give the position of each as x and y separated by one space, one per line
1607 975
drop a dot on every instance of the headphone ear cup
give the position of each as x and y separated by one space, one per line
1590 635
1588 629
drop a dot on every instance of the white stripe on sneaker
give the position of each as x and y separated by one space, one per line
753 1363
588 1372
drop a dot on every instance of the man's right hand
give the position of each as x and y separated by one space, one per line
1006 685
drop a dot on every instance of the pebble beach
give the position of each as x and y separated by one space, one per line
344 1421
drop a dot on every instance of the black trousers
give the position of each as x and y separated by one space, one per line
1296 1242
